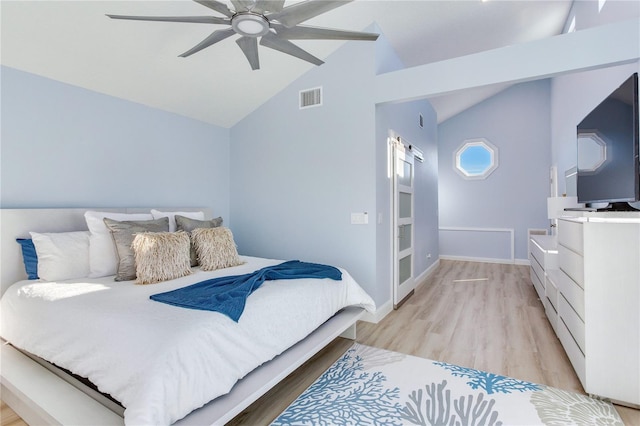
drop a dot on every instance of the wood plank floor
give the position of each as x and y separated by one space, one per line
478 315
8 417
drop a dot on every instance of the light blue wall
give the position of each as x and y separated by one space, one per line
63 146
299 174
517 122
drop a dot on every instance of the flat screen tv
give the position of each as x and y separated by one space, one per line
608 146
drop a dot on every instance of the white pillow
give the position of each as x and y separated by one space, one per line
103 258
172 217
63 255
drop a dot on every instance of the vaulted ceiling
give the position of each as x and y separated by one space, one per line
74 42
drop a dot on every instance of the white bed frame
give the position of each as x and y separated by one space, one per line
42 394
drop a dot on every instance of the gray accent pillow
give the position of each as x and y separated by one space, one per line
187 225
123 233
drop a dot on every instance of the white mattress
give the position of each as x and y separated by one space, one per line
160 361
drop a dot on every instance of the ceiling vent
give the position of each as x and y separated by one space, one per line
311 98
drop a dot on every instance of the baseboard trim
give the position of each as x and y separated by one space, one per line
422 278
523 262
379 314
387 307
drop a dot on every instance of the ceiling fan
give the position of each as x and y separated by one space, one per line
268 20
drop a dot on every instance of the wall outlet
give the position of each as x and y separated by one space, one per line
429 256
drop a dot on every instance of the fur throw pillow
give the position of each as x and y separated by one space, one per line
216 248
161 256
188 224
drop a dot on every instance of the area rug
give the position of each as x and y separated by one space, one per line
370 386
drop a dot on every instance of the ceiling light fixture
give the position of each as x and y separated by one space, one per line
267 23
250 24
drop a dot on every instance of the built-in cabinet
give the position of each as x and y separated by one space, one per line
596 290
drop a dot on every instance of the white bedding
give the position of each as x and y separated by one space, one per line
160 361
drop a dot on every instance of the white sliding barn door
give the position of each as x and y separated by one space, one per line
403 226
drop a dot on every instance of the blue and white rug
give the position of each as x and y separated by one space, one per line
370 386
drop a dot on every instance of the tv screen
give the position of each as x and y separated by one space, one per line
608 167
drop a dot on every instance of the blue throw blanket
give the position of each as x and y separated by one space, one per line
228 295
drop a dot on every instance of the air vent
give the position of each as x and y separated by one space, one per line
311 97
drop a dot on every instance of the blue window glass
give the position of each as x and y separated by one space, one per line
476 159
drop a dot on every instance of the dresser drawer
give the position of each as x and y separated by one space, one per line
537 252
552 314
537 284
573 322
571 291
551 289
537 268
572 264
570 234
544 250
573 351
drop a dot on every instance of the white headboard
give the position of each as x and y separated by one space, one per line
17 223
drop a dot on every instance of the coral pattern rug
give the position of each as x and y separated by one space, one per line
370 386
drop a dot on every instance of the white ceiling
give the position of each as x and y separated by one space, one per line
74 42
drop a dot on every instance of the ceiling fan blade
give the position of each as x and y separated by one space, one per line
189 19
240 5
285 46
292 15
213 38
258 6
217 6
302 32
249 46
263 6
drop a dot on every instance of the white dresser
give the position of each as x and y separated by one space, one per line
598 309
543 255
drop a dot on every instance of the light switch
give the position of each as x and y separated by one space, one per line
359 218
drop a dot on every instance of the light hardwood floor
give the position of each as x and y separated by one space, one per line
9 417
478 315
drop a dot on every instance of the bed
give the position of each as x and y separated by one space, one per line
163 363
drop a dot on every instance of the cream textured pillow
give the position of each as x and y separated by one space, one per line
123 233
188 224
216 248
161 256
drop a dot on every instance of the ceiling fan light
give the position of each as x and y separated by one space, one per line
250 24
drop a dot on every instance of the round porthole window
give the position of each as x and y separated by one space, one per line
476 159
